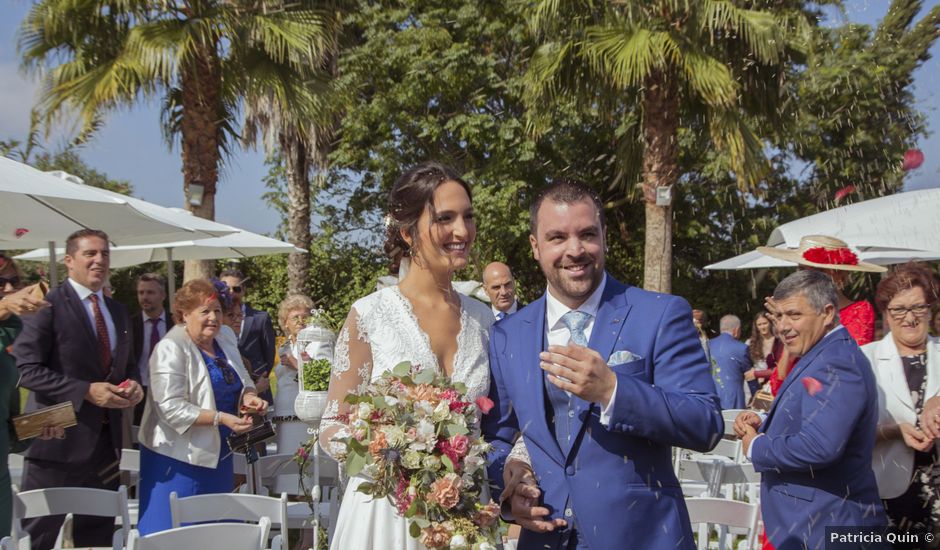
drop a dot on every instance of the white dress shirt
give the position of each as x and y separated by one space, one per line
83 294
143 362
512 309
559 335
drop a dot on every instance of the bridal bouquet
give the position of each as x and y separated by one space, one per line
412 435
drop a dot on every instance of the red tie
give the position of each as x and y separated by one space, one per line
154 334
104 342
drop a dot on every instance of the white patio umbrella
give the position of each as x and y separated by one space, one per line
905 221
756 260
884 231
240 244
39 208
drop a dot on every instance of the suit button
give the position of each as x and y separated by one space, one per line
570 413
569 470
568 512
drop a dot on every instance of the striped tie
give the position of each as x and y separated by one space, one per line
104 342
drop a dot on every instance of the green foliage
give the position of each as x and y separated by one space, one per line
316 375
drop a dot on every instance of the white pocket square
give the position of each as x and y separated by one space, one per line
622 356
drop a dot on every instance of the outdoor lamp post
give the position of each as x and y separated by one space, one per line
196 193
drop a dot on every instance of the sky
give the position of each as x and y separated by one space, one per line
131 147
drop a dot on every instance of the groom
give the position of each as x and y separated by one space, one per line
601 379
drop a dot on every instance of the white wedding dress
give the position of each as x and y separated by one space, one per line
380 332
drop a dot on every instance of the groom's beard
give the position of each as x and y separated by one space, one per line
579 285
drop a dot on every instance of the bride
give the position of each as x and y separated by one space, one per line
423 320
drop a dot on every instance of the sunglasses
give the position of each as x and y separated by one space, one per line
236 288
13 280
227 373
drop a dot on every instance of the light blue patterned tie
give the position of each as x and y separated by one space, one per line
575 321
500 315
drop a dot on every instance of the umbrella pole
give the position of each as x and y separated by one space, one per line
53 267
170 274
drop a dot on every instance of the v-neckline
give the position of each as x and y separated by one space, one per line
409 309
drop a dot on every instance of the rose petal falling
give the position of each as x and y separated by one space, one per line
20 231
844 192
913 158
812 385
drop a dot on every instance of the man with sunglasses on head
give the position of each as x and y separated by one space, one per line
256 338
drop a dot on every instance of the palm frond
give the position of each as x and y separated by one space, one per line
760 30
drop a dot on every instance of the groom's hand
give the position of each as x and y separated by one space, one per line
581 371
522 493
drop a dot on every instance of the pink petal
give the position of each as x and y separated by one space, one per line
842 193
485 404
20 231
812 385
913 158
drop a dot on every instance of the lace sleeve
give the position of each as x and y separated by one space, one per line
519 452
352 350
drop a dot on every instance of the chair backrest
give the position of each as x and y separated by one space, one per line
72 500
723 512
730 448
230 506
130 460
230 536
6 543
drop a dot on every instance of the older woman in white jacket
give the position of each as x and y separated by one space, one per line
198 391
906 363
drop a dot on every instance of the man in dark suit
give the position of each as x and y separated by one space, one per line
78 350
601 379
148 327
814 448
732 360
256 339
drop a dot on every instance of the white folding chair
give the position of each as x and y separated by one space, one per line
230 536
15 465
72 501
232 506
130 468
730 516
6 543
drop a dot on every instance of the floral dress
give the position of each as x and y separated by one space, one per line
380 332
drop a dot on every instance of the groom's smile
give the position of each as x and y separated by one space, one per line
569 246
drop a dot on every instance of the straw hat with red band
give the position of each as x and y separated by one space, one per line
822 252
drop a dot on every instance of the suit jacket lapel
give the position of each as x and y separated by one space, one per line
801 366
888 358
534 332
78 311
246 326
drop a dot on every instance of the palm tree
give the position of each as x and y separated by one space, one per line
201 57
298 121
706 65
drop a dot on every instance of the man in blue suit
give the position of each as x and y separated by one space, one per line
814 448
732 361
601 379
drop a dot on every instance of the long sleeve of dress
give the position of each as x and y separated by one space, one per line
352 368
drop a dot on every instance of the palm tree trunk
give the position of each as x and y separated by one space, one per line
660 169
200 82
297 166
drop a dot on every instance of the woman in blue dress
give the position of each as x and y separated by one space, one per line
198 387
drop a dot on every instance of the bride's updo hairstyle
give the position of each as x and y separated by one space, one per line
412 194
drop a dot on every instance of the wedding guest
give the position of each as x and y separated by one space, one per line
292 315
906 363
15 301
814 448
256 337
148 328
500 286
78 350
197 387
764 348
732 361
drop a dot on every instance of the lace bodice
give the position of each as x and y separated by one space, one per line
382 331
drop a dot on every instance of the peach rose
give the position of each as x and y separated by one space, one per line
435 536
424 392
446 491
488 515
378 443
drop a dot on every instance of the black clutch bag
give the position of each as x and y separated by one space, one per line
243 442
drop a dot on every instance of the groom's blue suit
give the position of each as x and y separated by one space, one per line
615 485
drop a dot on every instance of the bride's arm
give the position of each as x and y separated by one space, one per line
352 366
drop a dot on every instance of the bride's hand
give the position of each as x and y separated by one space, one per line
522 493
